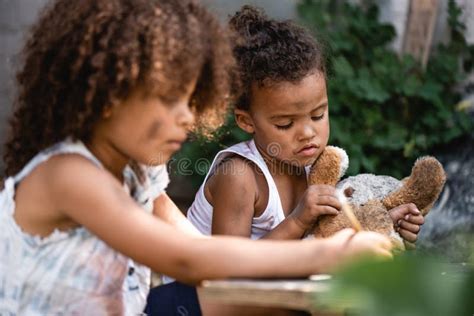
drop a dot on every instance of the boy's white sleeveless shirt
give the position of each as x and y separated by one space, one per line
71 272
200 212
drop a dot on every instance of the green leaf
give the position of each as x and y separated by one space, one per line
408 285
342 68
410 85
367 87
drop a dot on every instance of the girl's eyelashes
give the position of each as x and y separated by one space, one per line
287 126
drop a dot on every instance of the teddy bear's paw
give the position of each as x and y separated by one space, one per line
422 187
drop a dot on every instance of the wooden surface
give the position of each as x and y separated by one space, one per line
298 294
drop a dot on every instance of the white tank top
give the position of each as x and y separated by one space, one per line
200 212
71 272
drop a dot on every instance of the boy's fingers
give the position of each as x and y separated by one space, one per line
329 200
418 219
328 210
409 226
407 235
398 212
413 209
403 210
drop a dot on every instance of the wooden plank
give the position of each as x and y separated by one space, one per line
297 294
420 27
290 294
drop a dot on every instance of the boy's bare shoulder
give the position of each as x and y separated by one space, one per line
235 176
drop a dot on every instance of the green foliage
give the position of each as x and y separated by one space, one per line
386 110
200 151
409 285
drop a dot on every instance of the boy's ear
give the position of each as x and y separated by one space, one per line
244 120
107 112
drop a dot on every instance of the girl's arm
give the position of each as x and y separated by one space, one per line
93 198
166 210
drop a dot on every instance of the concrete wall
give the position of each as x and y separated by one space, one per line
281 9
15 17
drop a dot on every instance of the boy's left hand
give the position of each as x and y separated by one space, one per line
407 220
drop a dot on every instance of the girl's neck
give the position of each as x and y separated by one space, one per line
110 157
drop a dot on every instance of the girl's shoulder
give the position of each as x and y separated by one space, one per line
41 194
71 172
62 164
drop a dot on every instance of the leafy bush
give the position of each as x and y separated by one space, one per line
408 285
386 110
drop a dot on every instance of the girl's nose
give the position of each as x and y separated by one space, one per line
185 117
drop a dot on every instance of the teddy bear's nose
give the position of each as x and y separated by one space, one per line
349 191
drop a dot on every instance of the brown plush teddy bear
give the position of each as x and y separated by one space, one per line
371 196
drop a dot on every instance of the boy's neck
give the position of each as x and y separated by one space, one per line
280 168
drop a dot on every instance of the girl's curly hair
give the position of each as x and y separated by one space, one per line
84 56
270 51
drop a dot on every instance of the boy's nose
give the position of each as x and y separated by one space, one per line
306 132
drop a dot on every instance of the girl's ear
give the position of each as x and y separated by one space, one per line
244 120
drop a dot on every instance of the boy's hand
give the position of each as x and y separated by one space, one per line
407 220
316 201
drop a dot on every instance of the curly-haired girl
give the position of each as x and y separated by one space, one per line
106 94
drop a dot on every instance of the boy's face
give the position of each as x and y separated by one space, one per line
146 129
289 120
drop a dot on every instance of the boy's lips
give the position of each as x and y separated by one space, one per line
307 150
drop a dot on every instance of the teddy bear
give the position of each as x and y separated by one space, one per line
371 196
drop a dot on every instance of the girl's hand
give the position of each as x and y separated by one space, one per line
367 243
316 201
407 220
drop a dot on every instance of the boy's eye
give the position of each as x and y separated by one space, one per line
317 118
287 126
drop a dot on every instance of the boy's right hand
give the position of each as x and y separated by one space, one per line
316 201
353 244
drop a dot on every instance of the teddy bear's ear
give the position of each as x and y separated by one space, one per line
422 187
330 166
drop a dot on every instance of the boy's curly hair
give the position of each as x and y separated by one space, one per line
84 56
270 51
